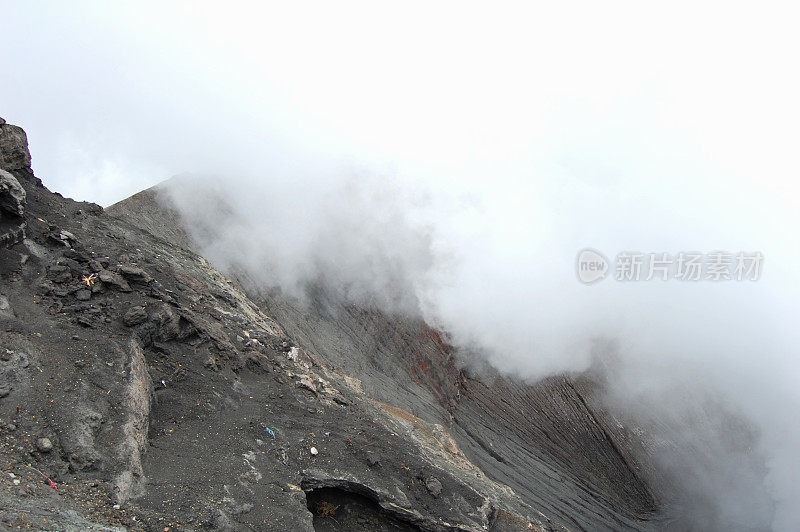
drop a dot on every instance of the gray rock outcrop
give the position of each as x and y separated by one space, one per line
12 196
14 154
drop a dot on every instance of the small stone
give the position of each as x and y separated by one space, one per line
306 382
83 321
13 234
56 238
60 274
73 258
314 451
95 265
5 308
134 316
5 389
115 280
434 486
243 509
373 460
16 481
135 274
83 295
62 237
44 445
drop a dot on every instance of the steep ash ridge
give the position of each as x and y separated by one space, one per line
551 442
142 389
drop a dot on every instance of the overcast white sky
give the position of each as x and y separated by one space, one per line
537 130
106 90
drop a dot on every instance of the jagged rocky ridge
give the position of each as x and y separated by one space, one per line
156 392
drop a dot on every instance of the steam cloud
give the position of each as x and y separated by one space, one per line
702 367
470 209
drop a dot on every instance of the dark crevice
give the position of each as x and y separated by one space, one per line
338 510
